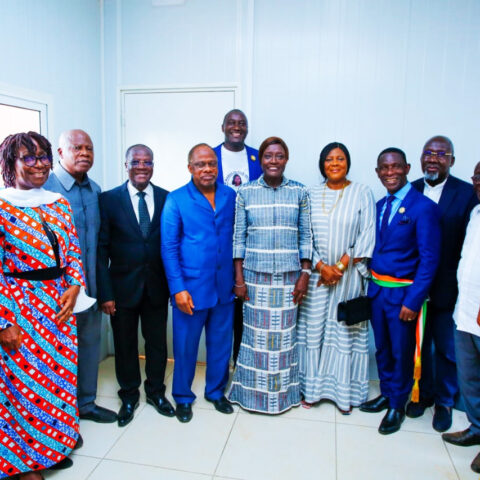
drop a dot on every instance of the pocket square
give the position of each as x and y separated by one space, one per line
404 220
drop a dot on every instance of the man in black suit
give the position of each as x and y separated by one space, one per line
456 199
132 283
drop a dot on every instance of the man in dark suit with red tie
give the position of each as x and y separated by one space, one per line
132 283
456 200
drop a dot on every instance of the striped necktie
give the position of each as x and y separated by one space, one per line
143 216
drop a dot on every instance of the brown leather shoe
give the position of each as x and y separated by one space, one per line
467 438
475 465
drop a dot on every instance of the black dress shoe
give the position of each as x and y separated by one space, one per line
100 415
417 409
161 405
442 418
125 414
375 405
184 412
222 405
62 464
467 438
392 421
475 465
79 443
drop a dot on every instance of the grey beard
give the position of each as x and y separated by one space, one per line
431 176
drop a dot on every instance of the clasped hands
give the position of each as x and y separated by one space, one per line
329 274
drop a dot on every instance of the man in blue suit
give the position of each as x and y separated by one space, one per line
237 164
197 233
456 200
404 262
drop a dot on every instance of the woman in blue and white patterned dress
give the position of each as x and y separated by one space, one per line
272 251
333 357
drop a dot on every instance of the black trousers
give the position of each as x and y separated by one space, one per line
237 328
125 338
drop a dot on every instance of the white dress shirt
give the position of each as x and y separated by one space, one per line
148 198
468 276
434 193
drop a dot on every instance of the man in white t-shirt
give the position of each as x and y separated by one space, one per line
237 164
467 333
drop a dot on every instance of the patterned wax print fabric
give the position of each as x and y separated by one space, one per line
333 357
266 376
38 383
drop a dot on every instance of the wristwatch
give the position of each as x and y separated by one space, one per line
308 271
340 266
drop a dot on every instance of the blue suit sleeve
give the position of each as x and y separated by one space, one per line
170 239
428 243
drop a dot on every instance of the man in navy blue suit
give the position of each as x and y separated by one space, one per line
197 251
237 164
456 200
131 282
403 265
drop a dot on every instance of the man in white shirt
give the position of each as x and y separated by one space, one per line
467 333
237 164
131 282
455 198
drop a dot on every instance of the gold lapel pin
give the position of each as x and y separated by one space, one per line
401 210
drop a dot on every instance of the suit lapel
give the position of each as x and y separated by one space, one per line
448 195
407 202
380 205
158 201
220 199
128 209
199 198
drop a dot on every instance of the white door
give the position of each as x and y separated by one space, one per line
171 121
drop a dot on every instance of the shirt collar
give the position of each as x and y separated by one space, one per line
402 193
435 187
262 182
133 191
67 180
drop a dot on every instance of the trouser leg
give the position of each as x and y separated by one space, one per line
218 334
468 360
153 321
446 383
125 340
89 326
383 352
187 330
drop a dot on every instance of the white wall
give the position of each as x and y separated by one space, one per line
369 73
52 48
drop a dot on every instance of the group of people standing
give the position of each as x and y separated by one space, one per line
241 251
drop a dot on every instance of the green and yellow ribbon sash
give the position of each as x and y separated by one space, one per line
392 282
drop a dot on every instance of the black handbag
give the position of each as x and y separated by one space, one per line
357 309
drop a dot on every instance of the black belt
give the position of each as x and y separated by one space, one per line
50 273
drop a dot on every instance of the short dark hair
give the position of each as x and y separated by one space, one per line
271 141
198 145
392 150
235 110
9 152
138 146
324 154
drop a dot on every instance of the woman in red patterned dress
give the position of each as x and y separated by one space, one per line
41 277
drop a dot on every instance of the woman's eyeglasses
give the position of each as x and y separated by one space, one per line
31 160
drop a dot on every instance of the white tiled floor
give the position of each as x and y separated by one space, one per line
319 443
